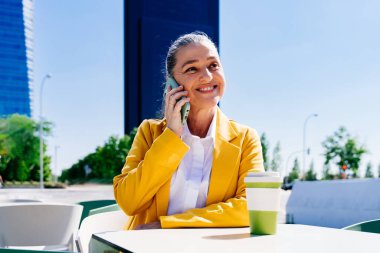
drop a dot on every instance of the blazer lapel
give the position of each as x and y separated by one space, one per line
225 158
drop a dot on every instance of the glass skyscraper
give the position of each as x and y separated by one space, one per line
16 57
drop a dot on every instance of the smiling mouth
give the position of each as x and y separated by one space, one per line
207 89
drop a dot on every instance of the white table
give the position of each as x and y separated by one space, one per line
289 238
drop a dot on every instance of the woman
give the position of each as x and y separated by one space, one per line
189 175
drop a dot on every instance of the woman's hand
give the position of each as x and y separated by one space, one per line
153 225
173 108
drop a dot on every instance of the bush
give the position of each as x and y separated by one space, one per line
102 165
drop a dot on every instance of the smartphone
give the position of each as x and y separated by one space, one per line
186 107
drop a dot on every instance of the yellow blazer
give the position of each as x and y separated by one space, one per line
142 189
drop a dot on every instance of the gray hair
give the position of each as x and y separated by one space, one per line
171 60
182 41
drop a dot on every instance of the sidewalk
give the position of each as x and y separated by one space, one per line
85 192
72 194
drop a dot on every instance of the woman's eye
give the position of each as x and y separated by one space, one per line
191 70
214 66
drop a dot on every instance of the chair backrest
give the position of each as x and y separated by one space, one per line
89 205
104 209
38 224
19 200
101 222
31 251
372 226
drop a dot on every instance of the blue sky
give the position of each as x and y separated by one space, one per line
283 60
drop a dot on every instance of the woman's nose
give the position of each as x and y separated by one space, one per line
206 75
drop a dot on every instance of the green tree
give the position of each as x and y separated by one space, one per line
265 149
368 171
105 163
276 158
344 151
326 173
378 171
295 172
310 174
19 143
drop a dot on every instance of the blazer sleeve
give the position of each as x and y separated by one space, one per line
232 212
149 164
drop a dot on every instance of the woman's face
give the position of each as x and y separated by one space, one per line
199 70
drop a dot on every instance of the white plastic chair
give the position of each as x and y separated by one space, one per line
18 200
50 225
100 222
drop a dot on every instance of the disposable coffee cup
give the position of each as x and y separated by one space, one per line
263 201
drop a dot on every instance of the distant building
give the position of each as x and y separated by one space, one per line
16 57
149 28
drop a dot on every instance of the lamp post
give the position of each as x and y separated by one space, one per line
304 142
56 147
287 161
47 76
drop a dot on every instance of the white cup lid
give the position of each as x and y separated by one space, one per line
262 179
263 174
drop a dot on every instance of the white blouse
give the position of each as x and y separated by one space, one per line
189 184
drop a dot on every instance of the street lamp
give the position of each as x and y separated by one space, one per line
304 141
47 76
56 147
287 161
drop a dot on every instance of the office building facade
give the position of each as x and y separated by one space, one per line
149 28
16 57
